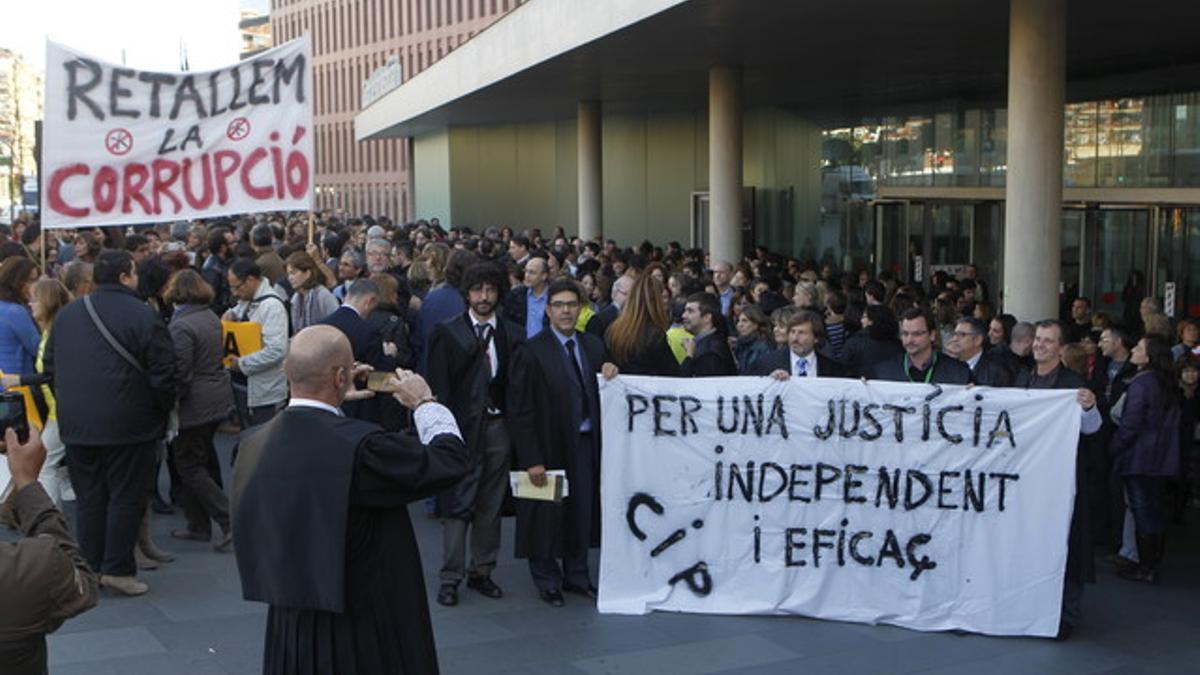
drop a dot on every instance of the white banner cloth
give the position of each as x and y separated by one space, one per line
125 146
927 507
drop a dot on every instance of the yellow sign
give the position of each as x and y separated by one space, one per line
32 412
240 338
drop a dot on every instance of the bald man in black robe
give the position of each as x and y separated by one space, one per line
321 525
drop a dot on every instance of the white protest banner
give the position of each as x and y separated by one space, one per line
928 507
128 146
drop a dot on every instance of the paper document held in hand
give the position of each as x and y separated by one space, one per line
553 491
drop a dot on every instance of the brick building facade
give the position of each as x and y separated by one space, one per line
351 38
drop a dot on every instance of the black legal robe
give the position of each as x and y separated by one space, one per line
322 534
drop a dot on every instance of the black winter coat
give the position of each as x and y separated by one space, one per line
862 351
946 370
992 370
711 358
460 377
102 399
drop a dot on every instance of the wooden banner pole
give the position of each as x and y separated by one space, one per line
42 236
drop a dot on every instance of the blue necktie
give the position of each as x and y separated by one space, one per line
585 410
802 368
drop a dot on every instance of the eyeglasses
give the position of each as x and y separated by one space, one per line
563 304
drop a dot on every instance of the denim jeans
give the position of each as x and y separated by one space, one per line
1147 497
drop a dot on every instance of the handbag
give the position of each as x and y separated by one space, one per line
108 336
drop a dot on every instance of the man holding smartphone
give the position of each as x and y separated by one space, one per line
43 578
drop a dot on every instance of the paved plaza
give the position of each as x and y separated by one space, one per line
194 622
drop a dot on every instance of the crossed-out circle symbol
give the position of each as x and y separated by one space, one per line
118 141
238 129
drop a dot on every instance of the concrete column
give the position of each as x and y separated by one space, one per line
1033 215
591 213
725 163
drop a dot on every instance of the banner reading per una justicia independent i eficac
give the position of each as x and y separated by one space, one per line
929 507
123 145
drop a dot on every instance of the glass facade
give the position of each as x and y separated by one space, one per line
1147 142
1128 142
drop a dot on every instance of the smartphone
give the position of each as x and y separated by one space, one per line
12 414
381 381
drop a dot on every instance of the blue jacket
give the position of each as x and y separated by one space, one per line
441 304
19 339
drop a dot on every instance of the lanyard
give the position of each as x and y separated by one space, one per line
928 373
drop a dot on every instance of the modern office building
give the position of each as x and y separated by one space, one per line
351 40
1052 142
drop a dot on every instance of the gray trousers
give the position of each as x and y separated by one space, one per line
485 516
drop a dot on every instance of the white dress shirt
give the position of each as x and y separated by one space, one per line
491 346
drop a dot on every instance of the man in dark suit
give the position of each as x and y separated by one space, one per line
987 367
351 319
469 361
800 358
708 353
554 419
321 524
920 363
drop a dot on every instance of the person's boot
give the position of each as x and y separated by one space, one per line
1148 558
146 545
1160 545
124 585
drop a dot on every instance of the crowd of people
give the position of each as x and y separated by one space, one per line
116 339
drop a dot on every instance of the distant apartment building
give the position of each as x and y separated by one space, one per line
21 86
255 28
351 40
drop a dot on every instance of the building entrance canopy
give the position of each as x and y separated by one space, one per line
834 62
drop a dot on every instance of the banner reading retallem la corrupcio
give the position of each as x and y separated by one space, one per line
908 504
129 146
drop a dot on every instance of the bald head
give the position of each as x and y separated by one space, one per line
314 359
536 275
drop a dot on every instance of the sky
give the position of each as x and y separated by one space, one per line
149 31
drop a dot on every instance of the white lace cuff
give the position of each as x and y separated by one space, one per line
432 419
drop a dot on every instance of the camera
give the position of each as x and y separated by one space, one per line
12 414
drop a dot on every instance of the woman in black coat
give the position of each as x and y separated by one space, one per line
754 340
205 399
1145 449
877 341
637 340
